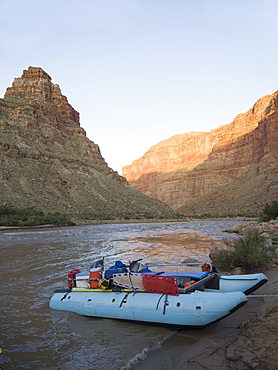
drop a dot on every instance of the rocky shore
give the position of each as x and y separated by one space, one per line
267 229
248 339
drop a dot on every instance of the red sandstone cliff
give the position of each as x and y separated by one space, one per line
232 169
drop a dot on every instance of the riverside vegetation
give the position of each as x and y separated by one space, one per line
270 211
29 216
248 252
11 216
252 250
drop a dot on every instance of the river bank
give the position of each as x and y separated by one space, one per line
120 222
251 336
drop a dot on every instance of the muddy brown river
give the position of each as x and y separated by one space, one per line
36 262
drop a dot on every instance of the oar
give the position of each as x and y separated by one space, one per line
174 264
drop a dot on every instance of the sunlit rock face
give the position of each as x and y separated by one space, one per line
35 84
229 170
47 162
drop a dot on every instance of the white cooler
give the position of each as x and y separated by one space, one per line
82 280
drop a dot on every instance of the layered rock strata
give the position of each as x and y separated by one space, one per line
232 169
47 162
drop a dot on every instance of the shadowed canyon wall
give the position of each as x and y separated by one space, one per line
47 162
232 169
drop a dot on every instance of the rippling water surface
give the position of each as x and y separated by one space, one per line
35 263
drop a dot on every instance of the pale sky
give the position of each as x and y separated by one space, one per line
141 71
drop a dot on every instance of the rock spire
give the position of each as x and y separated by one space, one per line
35 84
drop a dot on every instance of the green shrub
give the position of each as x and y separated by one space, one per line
12 216
270 211
248 252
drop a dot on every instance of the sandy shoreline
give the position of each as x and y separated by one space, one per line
248 339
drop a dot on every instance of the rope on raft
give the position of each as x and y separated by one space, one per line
261 295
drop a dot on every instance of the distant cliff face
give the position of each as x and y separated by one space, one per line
229 170
47 162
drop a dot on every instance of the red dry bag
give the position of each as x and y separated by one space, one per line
71 278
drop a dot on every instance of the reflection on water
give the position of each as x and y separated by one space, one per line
34 263
174 248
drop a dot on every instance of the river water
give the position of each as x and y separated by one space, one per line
36 262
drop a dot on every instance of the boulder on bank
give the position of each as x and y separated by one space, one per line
237 229
268 229
190 260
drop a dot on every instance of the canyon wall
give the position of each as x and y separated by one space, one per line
232 169
47 162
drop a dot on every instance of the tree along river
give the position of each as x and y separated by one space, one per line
36 262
